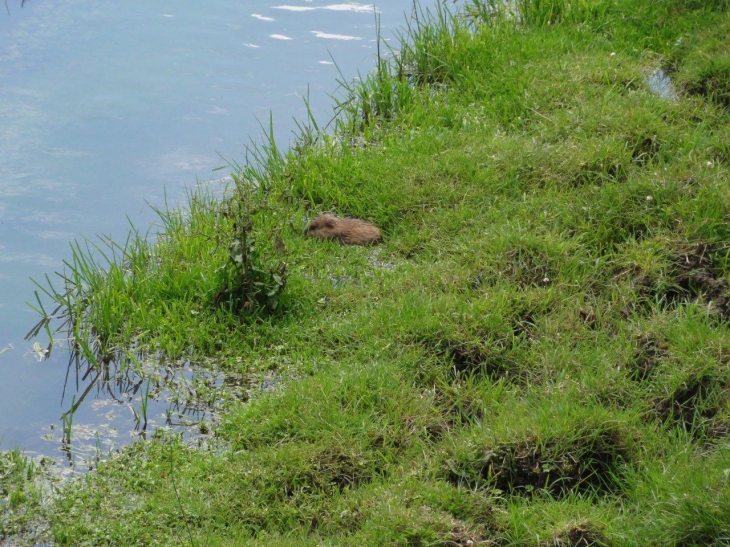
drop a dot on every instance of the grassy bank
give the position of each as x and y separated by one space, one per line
539 352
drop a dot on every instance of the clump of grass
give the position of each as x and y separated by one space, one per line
483 339
690 390
562 449
691 496
693 404
393 417
158 296
646 357
413 513
701 64
570 521
691 275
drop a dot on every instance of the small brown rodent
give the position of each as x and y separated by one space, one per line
348 231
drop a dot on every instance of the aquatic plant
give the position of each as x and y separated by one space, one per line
67 419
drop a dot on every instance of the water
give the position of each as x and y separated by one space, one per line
661 84
105 106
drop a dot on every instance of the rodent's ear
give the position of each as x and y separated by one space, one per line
330 223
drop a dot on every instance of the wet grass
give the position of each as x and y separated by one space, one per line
22 513
537 354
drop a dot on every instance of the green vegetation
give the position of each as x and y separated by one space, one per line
539 353
21 497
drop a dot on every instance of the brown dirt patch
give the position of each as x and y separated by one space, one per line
338 469
693 276
557 467
646 358
696 405
576 535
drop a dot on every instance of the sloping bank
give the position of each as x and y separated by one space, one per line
539 352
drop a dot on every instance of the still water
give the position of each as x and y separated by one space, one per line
106 106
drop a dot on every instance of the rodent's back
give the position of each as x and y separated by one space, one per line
348 231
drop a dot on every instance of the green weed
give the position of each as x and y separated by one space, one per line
21 497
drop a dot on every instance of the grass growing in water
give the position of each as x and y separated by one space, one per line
21 497
538 353
212 269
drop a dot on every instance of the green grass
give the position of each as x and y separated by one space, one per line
22 497
537 355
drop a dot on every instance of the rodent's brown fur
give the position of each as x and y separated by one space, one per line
348 231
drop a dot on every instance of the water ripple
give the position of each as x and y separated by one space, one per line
320 34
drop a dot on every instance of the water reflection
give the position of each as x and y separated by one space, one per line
661 84
7 6
151 393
